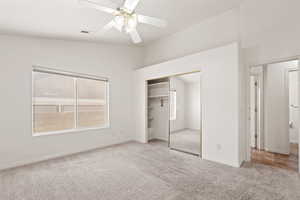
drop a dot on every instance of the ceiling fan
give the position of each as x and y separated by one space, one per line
125 18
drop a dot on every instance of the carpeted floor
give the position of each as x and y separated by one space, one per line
136 171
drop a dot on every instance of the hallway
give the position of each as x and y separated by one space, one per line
289 162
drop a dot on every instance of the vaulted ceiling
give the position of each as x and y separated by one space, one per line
64 19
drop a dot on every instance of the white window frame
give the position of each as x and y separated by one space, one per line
75 76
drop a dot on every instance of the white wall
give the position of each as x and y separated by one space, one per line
294 106
19 54
211 33
178 85
192 106
269 34
220 97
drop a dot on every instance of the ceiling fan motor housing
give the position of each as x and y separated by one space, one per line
125 19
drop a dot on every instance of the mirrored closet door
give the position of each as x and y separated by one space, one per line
185 113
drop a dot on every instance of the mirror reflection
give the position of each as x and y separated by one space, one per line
185 113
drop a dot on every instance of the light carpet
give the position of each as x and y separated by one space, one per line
145 172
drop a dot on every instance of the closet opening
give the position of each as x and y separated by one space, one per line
158 109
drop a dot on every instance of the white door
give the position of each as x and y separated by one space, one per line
293 106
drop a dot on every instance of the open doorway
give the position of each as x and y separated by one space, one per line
174 112
158 109
274 114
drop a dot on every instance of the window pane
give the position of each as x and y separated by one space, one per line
92 103
53 102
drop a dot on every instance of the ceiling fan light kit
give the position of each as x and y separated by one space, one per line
125 19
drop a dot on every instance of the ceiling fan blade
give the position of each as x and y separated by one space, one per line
135 36
152 21
91 4
108 26
131 4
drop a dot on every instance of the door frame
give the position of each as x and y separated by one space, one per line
257 111
260 119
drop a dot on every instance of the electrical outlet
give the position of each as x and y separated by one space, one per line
219 147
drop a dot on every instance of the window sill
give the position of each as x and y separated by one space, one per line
68 131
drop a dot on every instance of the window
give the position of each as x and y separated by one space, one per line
173 106
63 101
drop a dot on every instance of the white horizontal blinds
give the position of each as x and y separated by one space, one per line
67 101
53 102
70 74
91 103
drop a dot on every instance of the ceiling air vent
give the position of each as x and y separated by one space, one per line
85 32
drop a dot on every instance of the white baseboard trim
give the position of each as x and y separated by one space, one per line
160 138
30 161
277 151
185 129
